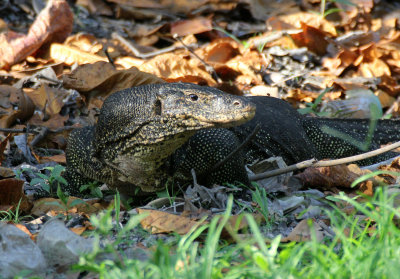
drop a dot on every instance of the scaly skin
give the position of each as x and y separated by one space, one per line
140 128
150 133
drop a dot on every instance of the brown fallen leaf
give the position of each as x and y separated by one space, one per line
78 230
97 7
60 159
3 145
48 99
174 66
175 6
328 178
302 232
45 205
24 111
24 229
262 10
312 38
191 26
343 59
11 193
162 222
310 19
375 68
53 24
221 51
54 122
71 55
103 78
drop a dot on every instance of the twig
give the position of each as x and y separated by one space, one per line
210 69
316 163
110 60
274 36
55 81
10 130
137 53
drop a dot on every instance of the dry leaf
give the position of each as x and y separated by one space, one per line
60 159
262 10
71 55
49 98
53 24
25 109
54 122
97 7
310 19
11 193
302 232
3 146
327 178
78 230
103 79
175 6
312 38
173 66
191 26
162 222
221 51
44 205
376 68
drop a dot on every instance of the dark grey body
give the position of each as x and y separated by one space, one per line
121 149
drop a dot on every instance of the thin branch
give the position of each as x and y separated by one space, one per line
316 163
10 130
146 55
110 60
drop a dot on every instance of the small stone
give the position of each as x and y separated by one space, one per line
60 246
18 252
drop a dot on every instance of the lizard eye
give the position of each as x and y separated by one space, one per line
157 107
193 97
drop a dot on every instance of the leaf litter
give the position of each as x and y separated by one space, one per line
56 72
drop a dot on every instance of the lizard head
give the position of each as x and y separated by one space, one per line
166 112
201 106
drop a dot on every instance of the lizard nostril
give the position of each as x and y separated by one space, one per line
236 103
157 108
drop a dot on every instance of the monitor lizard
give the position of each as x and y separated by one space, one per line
150 133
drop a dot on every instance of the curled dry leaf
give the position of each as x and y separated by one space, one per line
84 42
53 24
262 10
48 98
302 232
340 62
221 51
102 77
376 68
60 159
311 19
162 222
71 55
11 192
191 26
97 7
173 66
24 111
44 205
3 145
328 178
176 6
312 38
